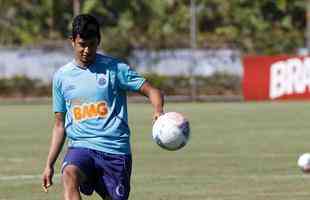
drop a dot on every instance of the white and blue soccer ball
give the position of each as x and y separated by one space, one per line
171 131
304 162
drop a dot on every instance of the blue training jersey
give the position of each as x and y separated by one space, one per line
94 100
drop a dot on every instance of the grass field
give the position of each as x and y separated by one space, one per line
237 151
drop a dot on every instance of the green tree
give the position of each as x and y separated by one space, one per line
30 21
264 26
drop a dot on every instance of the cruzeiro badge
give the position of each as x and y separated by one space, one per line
101 80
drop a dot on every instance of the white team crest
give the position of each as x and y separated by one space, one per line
101 80
120 190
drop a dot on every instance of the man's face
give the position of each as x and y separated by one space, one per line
85 49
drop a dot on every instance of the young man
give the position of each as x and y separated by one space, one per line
89 101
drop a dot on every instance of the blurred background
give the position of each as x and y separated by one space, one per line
191 49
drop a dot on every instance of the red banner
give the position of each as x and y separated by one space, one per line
276 77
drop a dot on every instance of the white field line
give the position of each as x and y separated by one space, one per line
254 177
246 155
16 160
24 177
211 154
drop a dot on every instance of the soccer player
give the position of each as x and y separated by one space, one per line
89 102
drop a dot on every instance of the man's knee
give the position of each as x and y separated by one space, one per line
71 176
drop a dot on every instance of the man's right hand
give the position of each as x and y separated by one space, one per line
47 178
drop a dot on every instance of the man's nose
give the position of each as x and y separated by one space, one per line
86 49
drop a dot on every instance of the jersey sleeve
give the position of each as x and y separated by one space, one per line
59 103
129 79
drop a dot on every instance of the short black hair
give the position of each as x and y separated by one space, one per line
86 26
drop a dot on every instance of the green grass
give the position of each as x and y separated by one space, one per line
237 151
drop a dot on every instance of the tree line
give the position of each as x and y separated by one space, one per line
216 84
259 27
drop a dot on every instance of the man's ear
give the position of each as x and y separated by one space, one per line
72 41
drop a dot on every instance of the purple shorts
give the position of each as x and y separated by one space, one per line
107 174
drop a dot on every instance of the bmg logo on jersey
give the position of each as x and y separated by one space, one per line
90 111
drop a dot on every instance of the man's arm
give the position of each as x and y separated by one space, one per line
156 98
57 141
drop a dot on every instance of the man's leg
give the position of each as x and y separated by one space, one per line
72 177
114 175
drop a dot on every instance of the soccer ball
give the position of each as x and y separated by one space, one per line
304 162
171 131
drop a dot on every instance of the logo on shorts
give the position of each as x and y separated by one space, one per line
101 80
120 190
